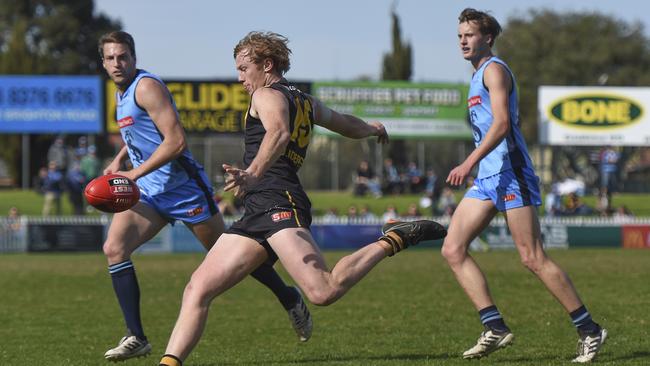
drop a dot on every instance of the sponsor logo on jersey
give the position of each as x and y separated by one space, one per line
596 111
281 216
475 100
194 211
509 197
125 122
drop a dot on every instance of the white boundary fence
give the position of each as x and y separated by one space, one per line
86 233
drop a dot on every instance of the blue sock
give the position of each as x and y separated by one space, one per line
492 319
583 322
125 284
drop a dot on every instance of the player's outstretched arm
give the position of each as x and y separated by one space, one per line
347 125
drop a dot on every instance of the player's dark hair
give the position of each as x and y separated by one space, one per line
263 45
487 24
116 37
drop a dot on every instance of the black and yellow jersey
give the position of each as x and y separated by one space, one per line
283 174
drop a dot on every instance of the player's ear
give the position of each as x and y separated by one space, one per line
267 65
490 40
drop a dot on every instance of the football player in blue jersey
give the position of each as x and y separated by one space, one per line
506 183
173 187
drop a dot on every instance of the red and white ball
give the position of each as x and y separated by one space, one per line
112 193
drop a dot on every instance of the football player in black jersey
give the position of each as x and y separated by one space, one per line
277 215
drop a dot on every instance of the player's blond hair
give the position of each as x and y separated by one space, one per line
266 45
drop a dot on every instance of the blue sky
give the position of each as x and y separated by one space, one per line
330 40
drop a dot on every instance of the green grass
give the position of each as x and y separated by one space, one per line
28 202
59 309
31 203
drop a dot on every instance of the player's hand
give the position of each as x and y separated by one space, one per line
112 168
458 175
380 132
128 174
238 180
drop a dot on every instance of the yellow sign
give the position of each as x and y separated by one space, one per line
203 106
596 111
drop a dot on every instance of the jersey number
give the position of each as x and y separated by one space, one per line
302 124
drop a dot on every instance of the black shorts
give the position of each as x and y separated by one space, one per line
267 212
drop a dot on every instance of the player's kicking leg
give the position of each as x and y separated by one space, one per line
301 257
210 230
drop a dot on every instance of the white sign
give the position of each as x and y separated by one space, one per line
594 116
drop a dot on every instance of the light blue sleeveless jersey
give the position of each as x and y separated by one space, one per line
142 138
512 151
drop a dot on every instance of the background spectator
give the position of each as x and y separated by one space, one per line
53 187
82 148
415 178
366 181
622 213
365 214
89 164
447 202
331 215
575 207
392 183
75 183
553 202
58 153
13 219
608 173
39 180
389 214
353 215
413 211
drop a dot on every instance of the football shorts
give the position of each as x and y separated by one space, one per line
192 202
512 188
267 212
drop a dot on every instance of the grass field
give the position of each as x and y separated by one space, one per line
59 309
30 203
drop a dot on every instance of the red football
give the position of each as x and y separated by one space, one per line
112 193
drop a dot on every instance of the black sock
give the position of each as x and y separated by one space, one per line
492 319
125 284
265 274
583 322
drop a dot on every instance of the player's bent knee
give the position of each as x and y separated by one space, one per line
321 297
453 254
199 291
197 294
533 263
114 251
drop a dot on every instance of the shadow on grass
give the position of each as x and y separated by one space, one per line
631 356
639 355
334 359
421 357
